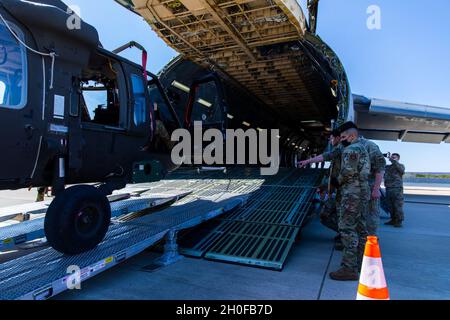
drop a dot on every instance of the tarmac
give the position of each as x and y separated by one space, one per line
416 262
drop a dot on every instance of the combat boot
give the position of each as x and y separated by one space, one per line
344 274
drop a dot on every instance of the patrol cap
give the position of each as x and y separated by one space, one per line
347 126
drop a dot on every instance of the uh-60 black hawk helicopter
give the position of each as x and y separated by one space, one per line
72 112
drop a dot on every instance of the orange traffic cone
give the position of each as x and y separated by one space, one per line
372 283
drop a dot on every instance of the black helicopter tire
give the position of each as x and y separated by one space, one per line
77 219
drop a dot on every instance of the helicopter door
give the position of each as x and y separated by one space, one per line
205 105
104 118
21 105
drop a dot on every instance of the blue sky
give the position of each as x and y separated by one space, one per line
407 60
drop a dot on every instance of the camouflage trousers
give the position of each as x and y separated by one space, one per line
394 199
352 225
372 216
41 194
329 216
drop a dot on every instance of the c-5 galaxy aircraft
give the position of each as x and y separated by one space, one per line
72 112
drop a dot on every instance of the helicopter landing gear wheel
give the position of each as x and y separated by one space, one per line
77 220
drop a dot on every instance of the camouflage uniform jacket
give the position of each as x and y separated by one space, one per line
355 167
393 177
335 156
377 160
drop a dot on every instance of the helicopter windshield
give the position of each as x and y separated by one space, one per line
12 68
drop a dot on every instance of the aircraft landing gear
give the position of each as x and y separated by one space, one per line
77 220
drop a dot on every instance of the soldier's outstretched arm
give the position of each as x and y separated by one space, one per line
304 163
327 156
333 154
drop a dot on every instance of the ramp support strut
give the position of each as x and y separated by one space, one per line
171 254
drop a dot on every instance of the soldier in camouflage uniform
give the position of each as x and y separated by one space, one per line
329 215
393 181
330 212
355 195
377 164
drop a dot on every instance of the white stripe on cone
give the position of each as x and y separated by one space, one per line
372 276
372 273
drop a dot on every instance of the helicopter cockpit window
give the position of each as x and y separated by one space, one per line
13 68
99 98
101 103
100 85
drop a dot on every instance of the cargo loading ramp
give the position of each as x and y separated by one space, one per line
20 233
262 232
239 210
46 273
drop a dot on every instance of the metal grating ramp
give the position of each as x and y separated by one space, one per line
263 245
44 274
34 229
262 232
264 217
276 205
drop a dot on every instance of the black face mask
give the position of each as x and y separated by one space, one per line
345 143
